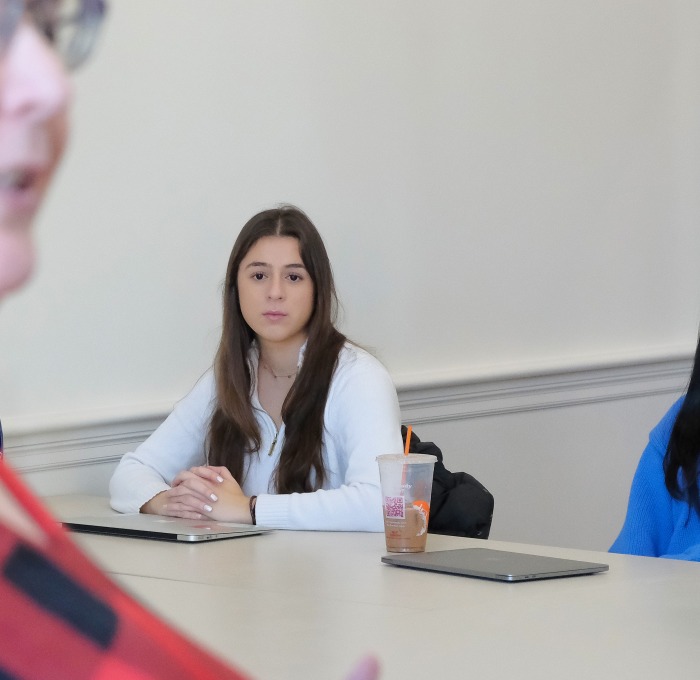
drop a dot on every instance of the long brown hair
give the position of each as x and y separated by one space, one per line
683 449
233 431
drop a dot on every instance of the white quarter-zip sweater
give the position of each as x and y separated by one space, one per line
361 421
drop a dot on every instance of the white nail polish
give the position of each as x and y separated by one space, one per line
207 508
214 497
219 478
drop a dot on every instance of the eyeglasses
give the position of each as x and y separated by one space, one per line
71 26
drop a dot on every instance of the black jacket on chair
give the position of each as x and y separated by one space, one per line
460 505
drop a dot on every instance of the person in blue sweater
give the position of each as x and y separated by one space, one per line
663 514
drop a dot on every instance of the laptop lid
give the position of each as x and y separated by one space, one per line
161 528
497 565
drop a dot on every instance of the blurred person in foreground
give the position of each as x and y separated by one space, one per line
60 616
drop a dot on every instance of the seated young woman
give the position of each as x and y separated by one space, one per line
285 429
663 515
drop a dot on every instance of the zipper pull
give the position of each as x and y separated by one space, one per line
274 441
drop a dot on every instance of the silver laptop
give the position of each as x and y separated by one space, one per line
498 565
161 528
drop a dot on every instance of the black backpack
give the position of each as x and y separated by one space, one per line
460 505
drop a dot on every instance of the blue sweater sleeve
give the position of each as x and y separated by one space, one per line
649 524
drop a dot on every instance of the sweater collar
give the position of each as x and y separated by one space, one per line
254 356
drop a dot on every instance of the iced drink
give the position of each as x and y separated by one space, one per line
407 482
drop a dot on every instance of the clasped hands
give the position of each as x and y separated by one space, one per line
206 491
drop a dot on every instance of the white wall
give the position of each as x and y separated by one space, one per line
504 186
500 184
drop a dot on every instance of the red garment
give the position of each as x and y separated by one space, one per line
62 618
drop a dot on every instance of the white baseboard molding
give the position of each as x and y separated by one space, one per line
552 389
79 445
103 441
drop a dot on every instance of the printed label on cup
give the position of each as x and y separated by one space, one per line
395 507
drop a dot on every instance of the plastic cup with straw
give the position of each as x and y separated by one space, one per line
406 480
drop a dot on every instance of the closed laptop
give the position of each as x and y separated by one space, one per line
499 565
161 528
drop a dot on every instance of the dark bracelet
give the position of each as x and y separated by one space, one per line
251 507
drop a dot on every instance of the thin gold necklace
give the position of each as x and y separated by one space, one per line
272 373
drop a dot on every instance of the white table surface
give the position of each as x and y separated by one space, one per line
290 605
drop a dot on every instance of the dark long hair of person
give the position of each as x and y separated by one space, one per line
233 431
683 451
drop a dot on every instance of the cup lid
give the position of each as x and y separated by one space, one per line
410 459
